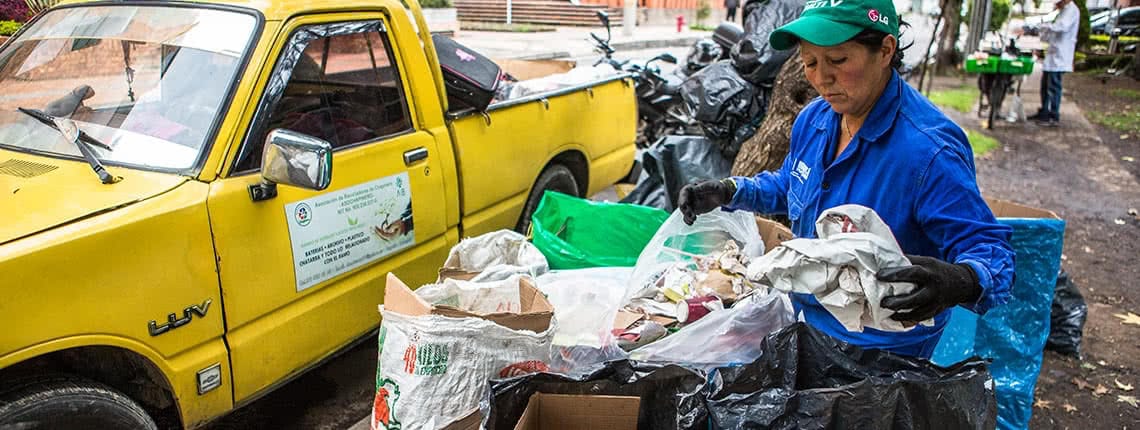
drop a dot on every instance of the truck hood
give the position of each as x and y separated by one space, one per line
39 193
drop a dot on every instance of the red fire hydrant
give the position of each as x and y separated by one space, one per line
680 23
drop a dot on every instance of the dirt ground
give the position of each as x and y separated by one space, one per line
1081 171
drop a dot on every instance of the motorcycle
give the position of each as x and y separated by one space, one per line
660 109
713 49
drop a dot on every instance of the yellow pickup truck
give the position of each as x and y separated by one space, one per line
201 199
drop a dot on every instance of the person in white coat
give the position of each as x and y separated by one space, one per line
1061 35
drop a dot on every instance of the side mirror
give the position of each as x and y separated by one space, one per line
605 18
296 159
666 57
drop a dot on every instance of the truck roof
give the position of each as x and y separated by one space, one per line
274 10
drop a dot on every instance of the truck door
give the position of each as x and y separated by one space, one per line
302 272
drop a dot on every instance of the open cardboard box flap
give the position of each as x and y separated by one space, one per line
579 411
1007 209
535 316
772 233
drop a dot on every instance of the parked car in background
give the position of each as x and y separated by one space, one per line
1126 19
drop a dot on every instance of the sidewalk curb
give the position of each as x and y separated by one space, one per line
633 45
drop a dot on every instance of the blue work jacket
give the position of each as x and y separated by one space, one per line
914 167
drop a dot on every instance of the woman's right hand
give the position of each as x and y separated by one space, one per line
703 197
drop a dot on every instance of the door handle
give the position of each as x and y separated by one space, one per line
414 155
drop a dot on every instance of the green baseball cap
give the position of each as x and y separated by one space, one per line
831 22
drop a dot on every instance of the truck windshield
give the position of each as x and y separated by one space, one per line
149 81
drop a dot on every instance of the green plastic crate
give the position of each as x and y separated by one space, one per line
1019 66
987 65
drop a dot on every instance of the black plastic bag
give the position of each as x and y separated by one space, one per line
721 100
672 397
673 162
753 57
805 379
1067 318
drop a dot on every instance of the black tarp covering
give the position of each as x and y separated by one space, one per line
805 379
673 162
757 61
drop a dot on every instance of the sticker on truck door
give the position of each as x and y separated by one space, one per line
340 231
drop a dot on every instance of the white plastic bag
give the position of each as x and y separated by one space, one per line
586 302
723 337
677 243
494 256
839 268
479 297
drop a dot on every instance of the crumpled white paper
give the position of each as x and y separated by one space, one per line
496 256
839 268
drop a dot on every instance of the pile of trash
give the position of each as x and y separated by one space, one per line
675 339
727 99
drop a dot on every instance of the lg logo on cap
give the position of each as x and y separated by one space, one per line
874 16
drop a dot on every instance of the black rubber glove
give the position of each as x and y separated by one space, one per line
938 286
703 197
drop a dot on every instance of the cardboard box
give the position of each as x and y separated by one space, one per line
536 312
524 70
773 233
576 411
1006 209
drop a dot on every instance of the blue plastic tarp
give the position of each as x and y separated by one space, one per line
1013 335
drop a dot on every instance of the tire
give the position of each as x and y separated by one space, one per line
556 178
68 402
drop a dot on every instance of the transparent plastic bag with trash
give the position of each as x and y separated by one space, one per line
723 338
717 238
585 302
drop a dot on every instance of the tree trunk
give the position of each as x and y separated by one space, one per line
952 18
1136 65
768 147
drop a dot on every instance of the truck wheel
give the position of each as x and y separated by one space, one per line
557 178
67 402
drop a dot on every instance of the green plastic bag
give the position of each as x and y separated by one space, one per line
574 233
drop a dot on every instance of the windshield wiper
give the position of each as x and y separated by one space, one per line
77 137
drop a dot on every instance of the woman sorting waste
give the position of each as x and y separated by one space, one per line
872 140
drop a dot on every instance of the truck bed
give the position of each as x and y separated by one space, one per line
594 123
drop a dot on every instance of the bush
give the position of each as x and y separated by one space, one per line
8 28
1082 25
14 10
704 10
999 14
435 4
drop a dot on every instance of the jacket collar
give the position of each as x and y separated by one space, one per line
882 115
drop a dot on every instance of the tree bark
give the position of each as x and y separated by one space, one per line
1136 65
768 147
952 16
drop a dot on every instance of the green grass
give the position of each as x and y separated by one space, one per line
962 99
1126 93
981 143
1127 121
702 27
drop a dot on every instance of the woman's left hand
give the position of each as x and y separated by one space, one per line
938 286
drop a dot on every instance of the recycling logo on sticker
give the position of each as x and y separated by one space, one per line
303 214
